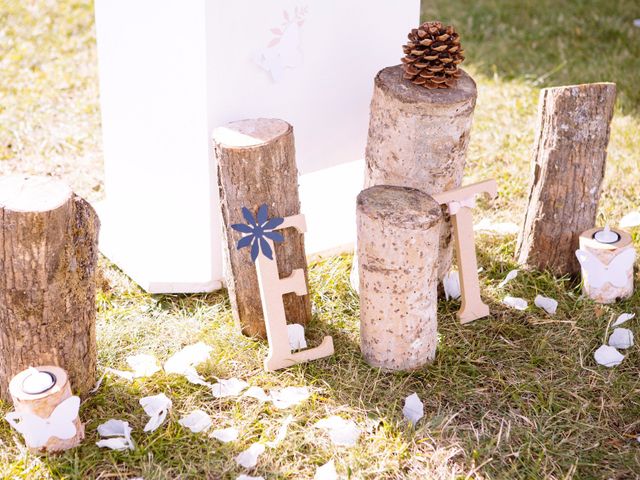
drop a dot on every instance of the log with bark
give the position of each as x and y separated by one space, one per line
48 259
257 165
569 160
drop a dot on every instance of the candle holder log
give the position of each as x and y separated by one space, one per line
47 280
398 240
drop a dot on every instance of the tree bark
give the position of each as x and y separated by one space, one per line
418 138
569 160
48 258
257 165
398 240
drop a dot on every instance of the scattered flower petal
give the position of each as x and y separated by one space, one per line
621 338
500 228
248 477
631 219
143 365
326 471
282 432
120 430
510 276
636 23
157 407
249 458
228 388
257 393
548 304
296 336
114 443
342 432
185 361
413 409
225 434
623 318
197 421
289 396
515 302
608 356
451 284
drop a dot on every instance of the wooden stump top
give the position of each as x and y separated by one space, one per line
408 208
250 133
20 193
390 79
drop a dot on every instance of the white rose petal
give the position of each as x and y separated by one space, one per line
326 471
623 318
341 432
510 276
515 302
296 336
282 432
157 407
621 338
225 434
249 458
413 409
257 393
197 421
451 284
631 219
185 361
608 356
143 365
289 396
548 304
228 388
114 443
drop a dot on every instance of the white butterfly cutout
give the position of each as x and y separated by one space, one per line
455 206
37 430
598 273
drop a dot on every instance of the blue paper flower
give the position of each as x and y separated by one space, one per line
256 229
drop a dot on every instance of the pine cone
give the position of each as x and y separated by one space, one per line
433 54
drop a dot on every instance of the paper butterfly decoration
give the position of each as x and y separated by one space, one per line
37 430
598 273
257 230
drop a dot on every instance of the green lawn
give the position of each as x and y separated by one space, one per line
517 395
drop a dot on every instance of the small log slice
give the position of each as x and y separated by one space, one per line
418 138
569 160
48 260
43 404
398 239
257 165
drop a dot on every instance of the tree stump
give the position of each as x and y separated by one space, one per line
398 239
569 159
418 138
257 165
47 280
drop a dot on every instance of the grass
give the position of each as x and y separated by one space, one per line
516 395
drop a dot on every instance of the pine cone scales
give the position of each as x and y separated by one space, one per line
433 54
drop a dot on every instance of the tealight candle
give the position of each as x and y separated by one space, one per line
38 381
606 256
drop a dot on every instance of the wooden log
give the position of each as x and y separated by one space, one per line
43 404
256 165
418 138
47 280
569 159
398 238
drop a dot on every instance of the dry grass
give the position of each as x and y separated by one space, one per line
517 395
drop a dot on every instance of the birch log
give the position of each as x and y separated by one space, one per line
398 239
569 159
257 165
418 138
47 280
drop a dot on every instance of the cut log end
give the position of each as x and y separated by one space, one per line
250 133
20 193
462 90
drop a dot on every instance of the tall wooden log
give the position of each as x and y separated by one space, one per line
398 239
569 159
418 138
257 165
48 258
